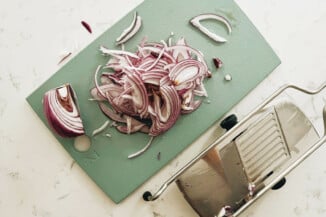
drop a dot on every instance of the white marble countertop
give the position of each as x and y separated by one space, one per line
37 177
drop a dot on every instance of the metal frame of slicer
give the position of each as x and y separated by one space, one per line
251 157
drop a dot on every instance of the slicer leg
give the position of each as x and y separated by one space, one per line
279 185
229 122
147 196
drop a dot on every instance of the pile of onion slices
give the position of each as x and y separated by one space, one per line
149 89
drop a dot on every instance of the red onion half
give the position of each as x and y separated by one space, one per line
62 112
148 90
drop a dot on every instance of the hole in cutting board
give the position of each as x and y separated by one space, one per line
82 143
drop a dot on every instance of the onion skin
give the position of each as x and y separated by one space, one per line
62 112
217 62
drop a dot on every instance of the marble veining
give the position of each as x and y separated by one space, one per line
15 175
14 81
63 196
5 138
3 105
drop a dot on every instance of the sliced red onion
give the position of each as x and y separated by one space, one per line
86 26
136 154
138 94
100 92
185 48
112 114
181 54
186 109
62 112
149 89
217 62
188 103
132 126
156 61
196 23
104 50
200 90
131 30
186 71
101 128
153 77
64 57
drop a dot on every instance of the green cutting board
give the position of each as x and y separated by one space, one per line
246 56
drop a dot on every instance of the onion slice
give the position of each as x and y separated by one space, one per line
147 90
62 112
141 151
131 30
165 111
208 16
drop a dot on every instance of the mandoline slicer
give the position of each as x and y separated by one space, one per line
251 157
